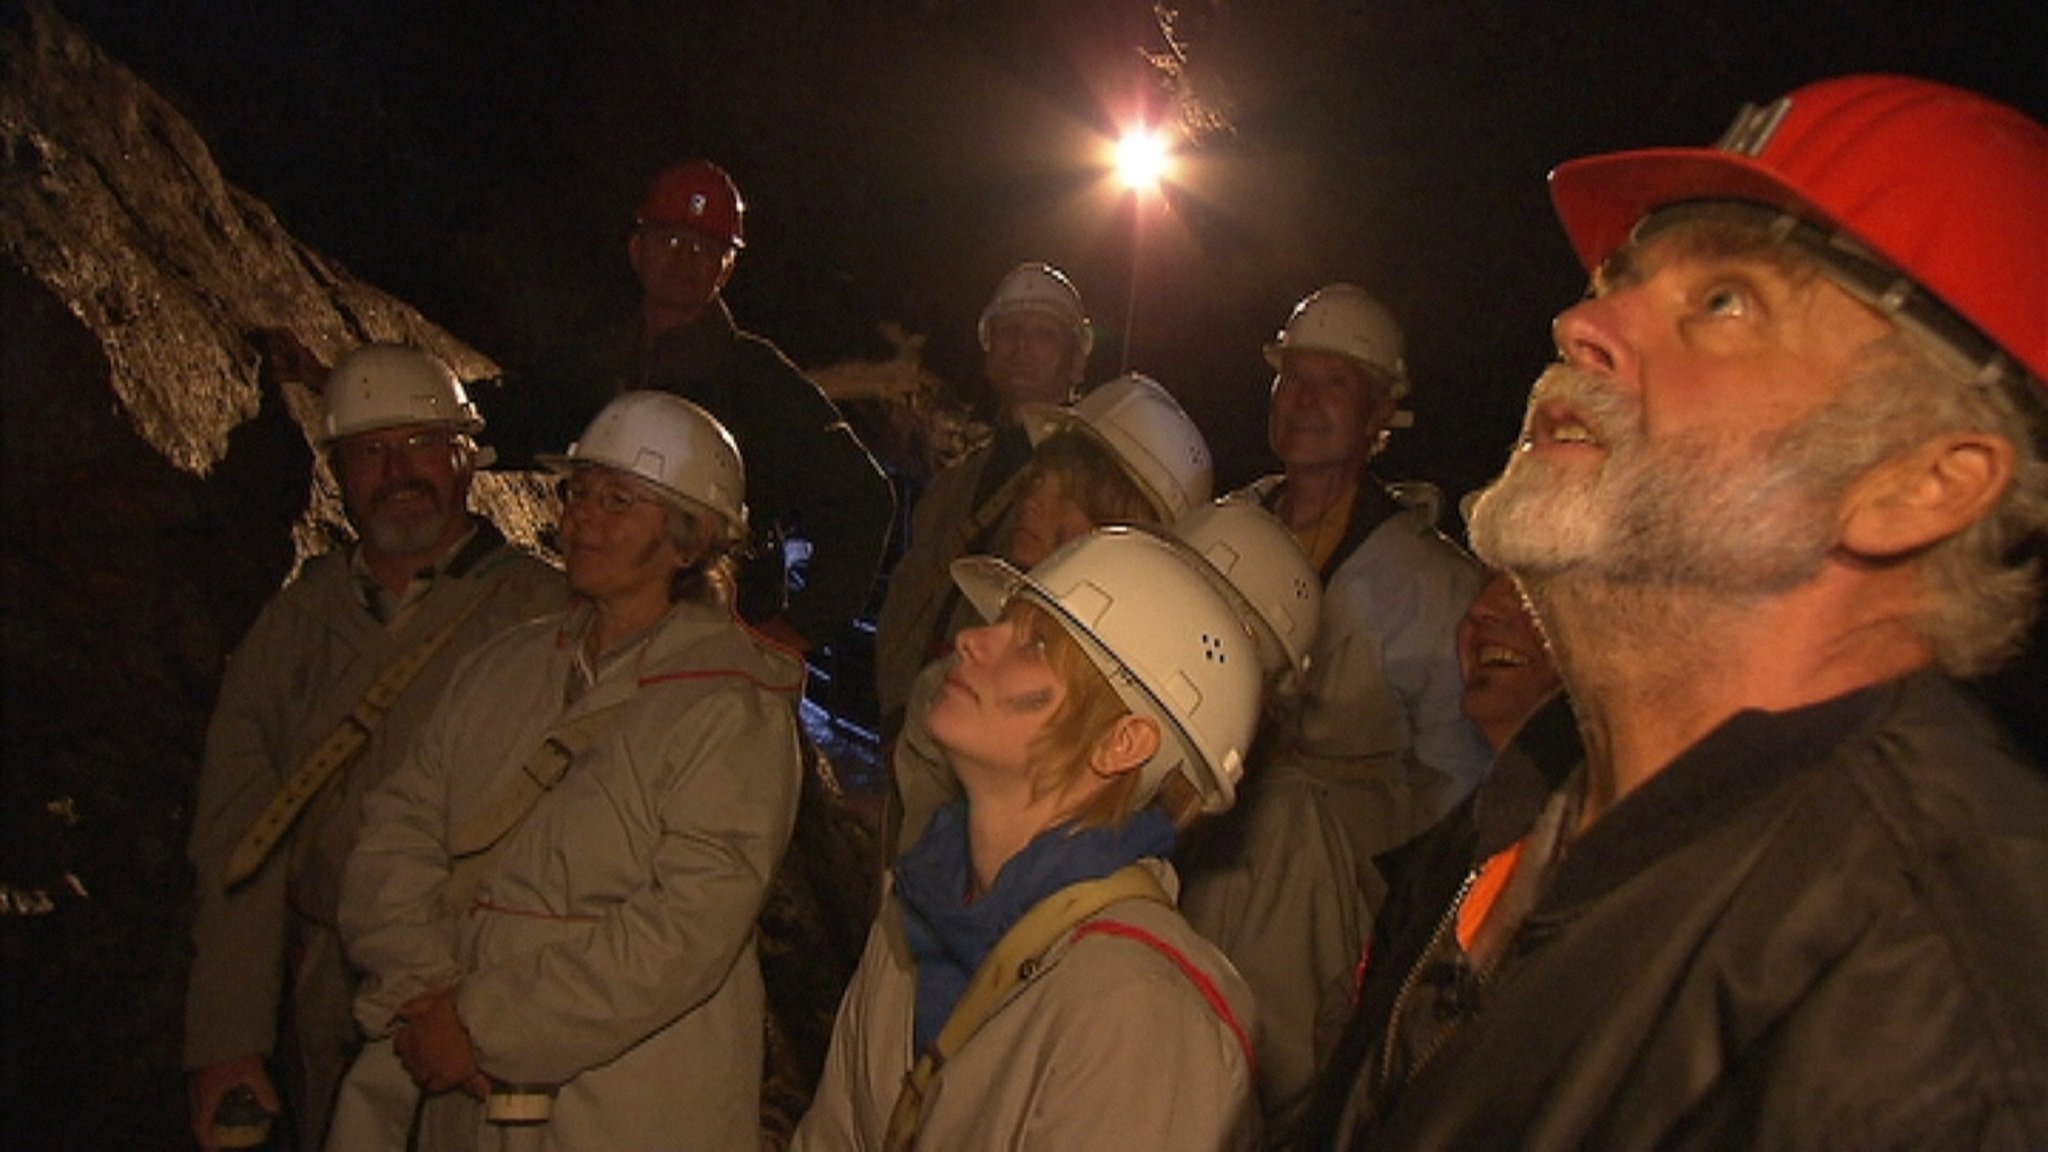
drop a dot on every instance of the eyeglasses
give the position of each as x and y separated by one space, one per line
613 499
424 446
682 241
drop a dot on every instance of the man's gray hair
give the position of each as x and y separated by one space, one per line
1982 588
1982 592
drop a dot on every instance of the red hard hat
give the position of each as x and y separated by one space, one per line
698 195
1948 187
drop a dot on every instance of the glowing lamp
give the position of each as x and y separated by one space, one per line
1142 159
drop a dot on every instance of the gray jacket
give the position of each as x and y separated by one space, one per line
1273 884
1133 1033
610 949
307 660
1382 720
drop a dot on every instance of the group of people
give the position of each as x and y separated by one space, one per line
1269 819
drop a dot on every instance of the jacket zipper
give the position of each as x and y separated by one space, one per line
1444 924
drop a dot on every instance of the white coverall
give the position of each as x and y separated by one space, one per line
609 950
1272 883
1382 720
1133 1033
308 659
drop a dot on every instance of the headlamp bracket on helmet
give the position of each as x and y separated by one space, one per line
1753 128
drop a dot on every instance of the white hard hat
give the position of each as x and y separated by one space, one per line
1164 636
1037 287
1347 320
670 443
1150 436
391 385
1265 572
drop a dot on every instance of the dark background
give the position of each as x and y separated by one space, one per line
481 159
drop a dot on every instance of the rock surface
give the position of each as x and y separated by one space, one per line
157 485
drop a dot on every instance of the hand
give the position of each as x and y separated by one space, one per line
435 1047
207 1086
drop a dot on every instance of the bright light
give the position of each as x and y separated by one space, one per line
1142 159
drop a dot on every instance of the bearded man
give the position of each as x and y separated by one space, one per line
320 700
1787 894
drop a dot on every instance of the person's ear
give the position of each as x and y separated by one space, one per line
1926 495
1129 743
698 538
1385 403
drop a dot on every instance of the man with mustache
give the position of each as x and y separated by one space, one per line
1788 892
1379 724
319 701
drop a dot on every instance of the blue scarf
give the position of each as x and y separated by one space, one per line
950 936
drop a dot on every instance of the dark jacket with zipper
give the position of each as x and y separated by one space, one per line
1817 929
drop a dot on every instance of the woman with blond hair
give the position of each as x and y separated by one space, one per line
1029 983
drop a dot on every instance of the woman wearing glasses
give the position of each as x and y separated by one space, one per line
554 897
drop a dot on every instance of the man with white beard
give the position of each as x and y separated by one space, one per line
319 701
1788 892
